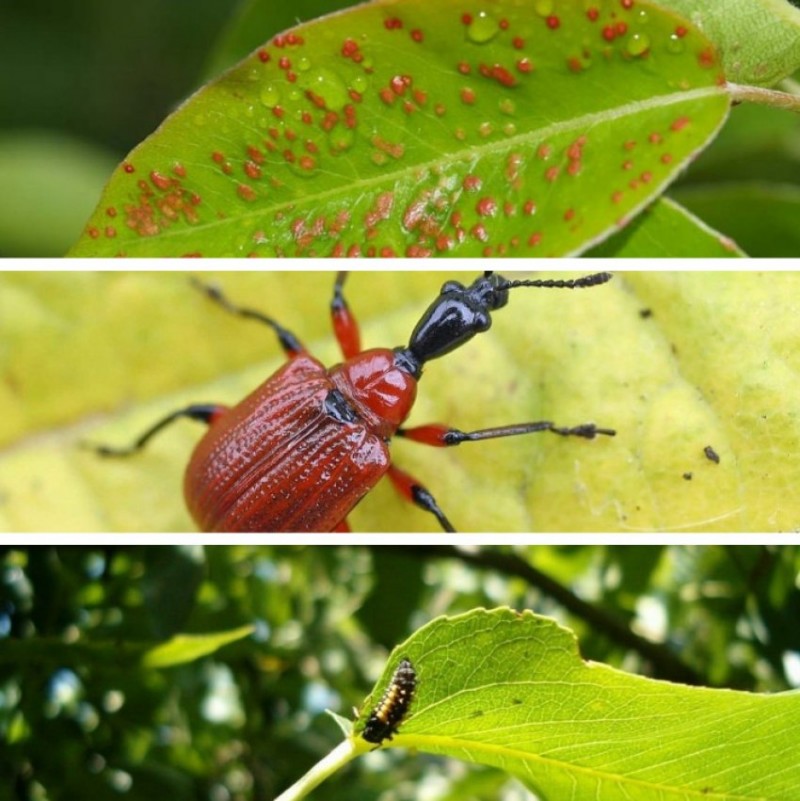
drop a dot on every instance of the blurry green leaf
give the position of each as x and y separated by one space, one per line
257 20
762 217
758 143
184 648
170 585
50 183
397 587
759 40
716 362
667 230
509 689
410 128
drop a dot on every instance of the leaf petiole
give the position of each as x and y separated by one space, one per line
336 759
766 97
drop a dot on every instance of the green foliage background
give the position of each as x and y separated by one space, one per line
83 717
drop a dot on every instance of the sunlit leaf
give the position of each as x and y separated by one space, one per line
510 690
184 648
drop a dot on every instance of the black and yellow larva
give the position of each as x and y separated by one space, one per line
393 707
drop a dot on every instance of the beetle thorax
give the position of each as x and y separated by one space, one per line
378 389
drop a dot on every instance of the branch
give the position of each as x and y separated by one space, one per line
665 664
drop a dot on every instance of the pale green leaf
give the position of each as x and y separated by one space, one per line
184 648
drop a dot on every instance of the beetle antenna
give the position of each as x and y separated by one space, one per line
595 279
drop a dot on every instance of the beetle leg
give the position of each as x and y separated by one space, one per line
413 491
344 323
205 413
288 341
442 436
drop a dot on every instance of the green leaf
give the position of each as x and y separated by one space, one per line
762 216
100 356
52 179
665 229
255 20
758 143
759 40
509 689
184 648
417 128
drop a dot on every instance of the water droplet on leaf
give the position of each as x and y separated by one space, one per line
270 96
675 44
329 86
638 44
483 28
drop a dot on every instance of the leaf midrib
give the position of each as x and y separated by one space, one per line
580 122
451 745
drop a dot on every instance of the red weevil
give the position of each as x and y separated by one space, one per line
306 446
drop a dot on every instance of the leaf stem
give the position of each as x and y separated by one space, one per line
766 97
328 765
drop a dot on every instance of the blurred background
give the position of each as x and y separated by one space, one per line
82 717
83 81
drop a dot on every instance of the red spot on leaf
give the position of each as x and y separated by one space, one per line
486 207
252 170
472 183
246 192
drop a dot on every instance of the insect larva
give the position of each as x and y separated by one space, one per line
393 707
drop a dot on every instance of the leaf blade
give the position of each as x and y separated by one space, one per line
510 690
409 131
